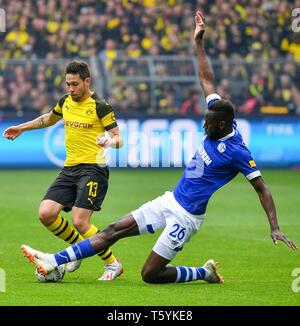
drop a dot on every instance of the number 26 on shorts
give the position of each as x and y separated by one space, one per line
178 232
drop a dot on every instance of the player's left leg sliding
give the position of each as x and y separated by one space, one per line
47 262
125 227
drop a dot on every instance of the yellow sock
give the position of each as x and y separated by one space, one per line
62 229
106 254
92 231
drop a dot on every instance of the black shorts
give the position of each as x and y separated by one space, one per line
82 185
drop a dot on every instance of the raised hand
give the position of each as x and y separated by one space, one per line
200 26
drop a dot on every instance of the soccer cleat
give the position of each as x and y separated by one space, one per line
211 268
112 271
73 265
38 258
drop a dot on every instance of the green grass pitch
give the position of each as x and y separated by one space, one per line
235 233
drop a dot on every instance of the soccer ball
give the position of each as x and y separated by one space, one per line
54 276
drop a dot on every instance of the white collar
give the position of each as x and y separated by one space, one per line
227 136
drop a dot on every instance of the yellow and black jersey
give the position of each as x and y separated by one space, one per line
84 122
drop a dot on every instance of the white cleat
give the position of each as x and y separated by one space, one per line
39 259
73 266
112 271
212 275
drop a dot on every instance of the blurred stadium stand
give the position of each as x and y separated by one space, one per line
142 55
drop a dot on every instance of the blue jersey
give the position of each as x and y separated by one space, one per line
214 164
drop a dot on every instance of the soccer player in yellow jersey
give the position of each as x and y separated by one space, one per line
82 183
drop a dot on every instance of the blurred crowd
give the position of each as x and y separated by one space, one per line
253 49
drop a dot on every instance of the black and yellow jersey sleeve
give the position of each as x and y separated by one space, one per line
58 108
105 113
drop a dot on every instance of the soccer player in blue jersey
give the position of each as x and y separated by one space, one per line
220 157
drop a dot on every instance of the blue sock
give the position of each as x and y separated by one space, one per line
188 274
80 250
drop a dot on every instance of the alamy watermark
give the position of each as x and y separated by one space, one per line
2 280
2 20
296 21
296 281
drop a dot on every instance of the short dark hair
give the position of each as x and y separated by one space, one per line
78 67
225 108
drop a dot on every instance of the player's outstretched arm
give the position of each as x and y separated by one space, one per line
267 202
45 120
204 70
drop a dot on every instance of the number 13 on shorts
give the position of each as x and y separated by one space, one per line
93 190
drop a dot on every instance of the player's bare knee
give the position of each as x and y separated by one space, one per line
81 225
148 276
46 216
